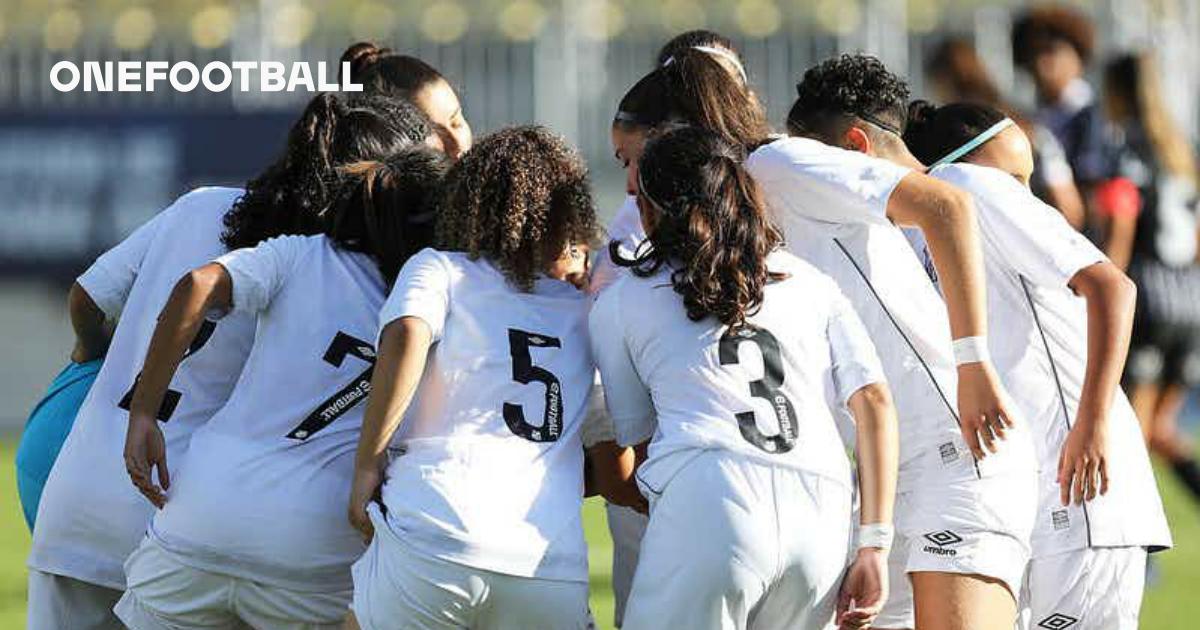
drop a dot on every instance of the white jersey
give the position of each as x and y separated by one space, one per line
832 207
491 470
91 517
764 392
1038 332
627 231
262 494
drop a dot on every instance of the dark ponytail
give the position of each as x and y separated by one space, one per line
712 230
383 72
932 132
289 195
385 208
695 89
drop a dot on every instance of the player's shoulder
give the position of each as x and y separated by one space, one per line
801 274
208 198
968 176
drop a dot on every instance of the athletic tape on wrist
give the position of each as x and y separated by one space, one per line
875 536
971 350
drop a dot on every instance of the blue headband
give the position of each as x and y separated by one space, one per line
974 143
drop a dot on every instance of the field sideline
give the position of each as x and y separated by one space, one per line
1171 602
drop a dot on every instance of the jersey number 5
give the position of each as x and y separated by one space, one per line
767 388
525 372
171 397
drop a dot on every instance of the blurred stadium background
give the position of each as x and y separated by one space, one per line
80 170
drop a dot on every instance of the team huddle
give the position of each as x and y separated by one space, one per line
851 375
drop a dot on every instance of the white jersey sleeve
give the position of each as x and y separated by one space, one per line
1031 236
855 363
110 278
626 397
422 290
810 179
257 273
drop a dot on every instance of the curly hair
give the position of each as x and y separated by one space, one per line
1042 25
383 207
519 198
289 196
712 230
695 89
845 87
933 132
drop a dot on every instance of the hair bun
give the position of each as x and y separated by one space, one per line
362 56
920 112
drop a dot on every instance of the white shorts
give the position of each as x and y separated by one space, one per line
627 527
972 527
737 544
165 594
57 602
1085 589
396 587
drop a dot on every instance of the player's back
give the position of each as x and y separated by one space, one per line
264 486
764 390
92 516
491 469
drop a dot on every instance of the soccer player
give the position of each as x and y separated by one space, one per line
252 531
91 518
1060 315
385 73
475 522
727 356
696 88
966 497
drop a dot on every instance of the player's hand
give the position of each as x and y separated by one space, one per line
864 589
365 489
984 410
626 494
1083 462
145 449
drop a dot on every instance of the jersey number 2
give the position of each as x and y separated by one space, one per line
171 397
525 372
767 388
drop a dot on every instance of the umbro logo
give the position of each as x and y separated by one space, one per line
367 351
537 341
1057 621
943 538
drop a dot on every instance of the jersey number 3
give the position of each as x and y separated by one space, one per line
525 372
767 388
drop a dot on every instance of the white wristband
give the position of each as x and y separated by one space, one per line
875 535
971 350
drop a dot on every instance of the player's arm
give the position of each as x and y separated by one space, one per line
92 334
1110 296
864 588
205 289
403 349
946 216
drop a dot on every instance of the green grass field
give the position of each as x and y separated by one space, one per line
1171 602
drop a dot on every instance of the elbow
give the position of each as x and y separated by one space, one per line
81 306
872 406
